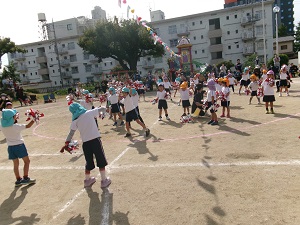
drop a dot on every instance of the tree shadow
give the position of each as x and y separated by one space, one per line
100 211
11 204
121 218
78 220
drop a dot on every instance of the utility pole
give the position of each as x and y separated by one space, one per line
264 32
57 55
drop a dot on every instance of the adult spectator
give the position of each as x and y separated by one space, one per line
223 70
276 61
293 69
238 65
215 70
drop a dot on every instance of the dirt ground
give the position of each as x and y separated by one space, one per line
246 171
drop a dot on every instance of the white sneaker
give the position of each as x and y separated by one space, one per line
159 119
287 94
280 95
167 117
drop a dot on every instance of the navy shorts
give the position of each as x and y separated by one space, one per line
141 91
131 115
225 103
17 151
269 98
245 82
186 103
115 108
94 148
283 83
253 93
162 104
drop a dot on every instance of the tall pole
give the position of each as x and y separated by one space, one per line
276 18
57 55
264 32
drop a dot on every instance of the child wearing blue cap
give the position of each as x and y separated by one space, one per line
16 147
83 120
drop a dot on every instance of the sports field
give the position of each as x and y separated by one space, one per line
246 171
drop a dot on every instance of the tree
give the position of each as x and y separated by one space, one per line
297 39
125 42
282 30
284 59
250 61
7 46
9 72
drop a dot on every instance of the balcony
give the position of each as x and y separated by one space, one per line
43 71
248 51
148 64
22 69
19 56
214 33
66 75
41 59
183 31
93 59
248 36
249 19
65 63
97 71
216 48
62 50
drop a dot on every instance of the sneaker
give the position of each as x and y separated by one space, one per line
18 183
228 116
89 182
249 103
159 118
183 114
222 115
272 111
122 123
280 95
105 183
210 122
147 132
287 94
267 112
167 117
214 123
178 103
28 181
115 124
127 135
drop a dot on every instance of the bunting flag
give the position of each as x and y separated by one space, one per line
128 9
119 3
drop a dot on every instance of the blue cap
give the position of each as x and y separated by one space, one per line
7 119
76 109
112 89
125 89
85 92
246 69
133 91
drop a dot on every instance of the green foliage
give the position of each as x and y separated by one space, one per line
282 30
124 41
284 59
297 39
61 92
228 64
9 72
250 61
7 46
33 91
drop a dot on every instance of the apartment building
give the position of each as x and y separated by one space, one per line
226 34
285 15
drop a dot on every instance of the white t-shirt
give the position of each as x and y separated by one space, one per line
253 86
218 87
245 76
196 81
268 90
161 94
87 105
113 99
184 94
86 125
128 104
264 76
167 84
13 134
135 100
211 94
231 80
283 76
226 91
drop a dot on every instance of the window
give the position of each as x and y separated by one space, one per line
193 23
49 47
229 47
227 17
194 38
236 31
86 56
33 61
284 47
216 55
88 68
53 71
203 51
63 45
69 27
51 59
228 32
214 24
237 46
200 21
104 64
158 60
35 73
74 69
235 16
30 74
173 42
215 41
196 52
31 50
71 45
201 36
111 63
259 30
260 45
173 29
28 62
73 58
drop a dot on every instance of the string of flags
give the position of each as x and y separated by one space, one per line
151 31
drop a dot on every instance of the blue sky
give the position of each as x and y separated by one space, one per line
21 23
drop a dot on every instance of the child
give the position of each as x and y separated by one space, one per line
115 108
225 101
162 102
141 90
197 102
177 83
268 91
283 80
167 86
211 99
245 81
184 96
232 81
131 113
135 100
83 120
16 147
253 86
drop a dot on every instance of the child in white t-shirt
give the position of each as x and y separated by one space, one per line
225 98
83 120
162 102
268 91
232 81
113 100
167 87
253 86
185 98
211 100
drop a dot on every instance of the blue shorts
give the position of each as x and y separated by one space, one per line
17 151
